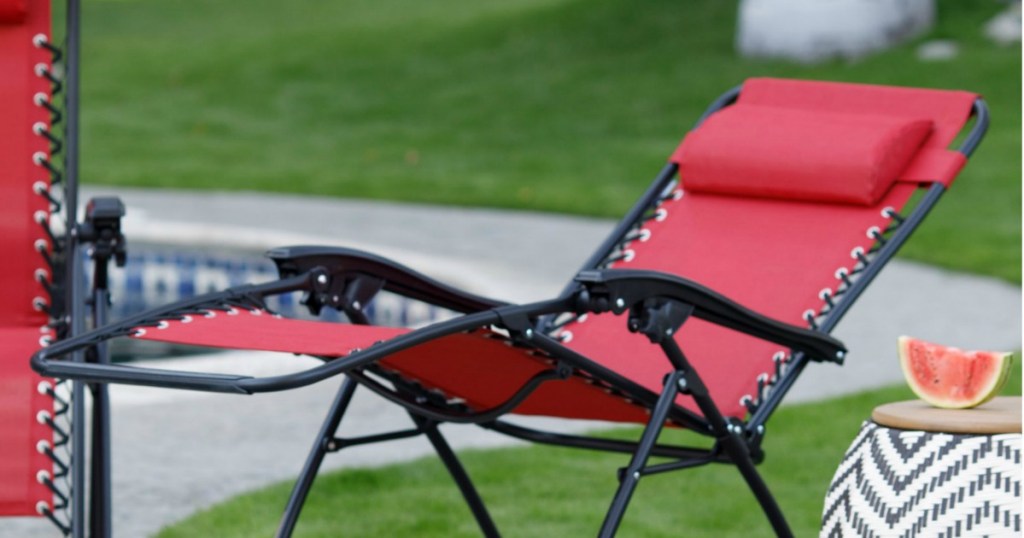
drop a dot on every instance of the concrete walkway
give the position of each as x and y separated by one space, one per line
176 452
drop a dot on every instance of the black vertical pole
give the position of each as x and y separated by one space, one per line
75 274
99 479
101 228
78 439
71 101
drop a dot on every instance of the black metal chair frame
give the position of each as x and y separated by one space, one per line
655 305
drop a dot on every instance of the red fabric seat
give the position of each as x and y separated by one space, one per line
482 367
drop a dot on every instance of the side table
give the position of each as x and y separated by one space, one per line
915 470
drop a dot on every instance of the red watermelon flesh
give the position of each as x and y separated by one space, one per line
952 378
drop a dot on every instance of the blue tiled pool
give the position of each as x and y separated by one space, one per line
157 275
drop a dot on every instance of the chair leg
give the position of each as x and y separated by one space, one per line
731 442
630 479
459 474
99 465
99 477
315 458
741 456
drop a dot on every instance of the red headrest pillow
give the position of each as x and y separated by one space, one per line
769 152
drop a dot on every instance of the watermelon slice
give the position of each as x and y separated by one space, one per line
952 378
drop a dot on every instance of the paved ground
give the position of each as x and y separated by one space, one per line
176 452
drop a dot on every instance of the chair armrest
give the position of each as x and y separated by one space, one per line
63 359
359 275
620 289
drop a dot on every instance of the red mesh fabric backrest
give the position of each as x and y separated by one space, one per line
20 323
773 255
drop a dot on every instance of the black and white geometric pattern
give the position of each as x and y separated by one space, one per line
900 483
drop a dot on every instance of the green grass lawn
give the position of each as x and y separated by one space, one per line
545 491
553 105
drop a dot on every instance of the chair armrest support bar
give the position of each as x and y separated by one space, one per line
618 290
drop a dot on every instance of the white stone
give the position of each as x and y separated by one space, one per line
817 30
1005 28
938 50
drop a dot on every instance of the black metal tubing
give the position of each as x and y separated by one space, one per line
100 463
71 107
723 101
729 438
300 491
703 455
486 415
339 443
76 326
43 363
636 392
343 264
461 477
647 201
630 479
327 442
678 465
101 230
981 120
630 287
75 276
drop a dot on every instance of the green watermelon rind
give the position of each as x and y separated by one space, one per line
985 393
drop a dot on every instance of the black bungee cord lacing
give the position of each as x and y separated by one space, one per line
830 298
51 251
621 252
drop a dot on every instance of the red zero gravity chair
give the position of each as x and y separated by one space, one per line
699 311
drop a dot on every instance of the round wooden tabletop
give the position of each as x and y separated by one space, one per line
999 415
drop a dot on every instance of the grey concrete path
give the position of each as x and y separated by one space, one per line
177 452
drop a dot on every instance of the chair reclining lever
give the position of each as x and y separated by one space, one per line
344 265
349 294
516 321
658 318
